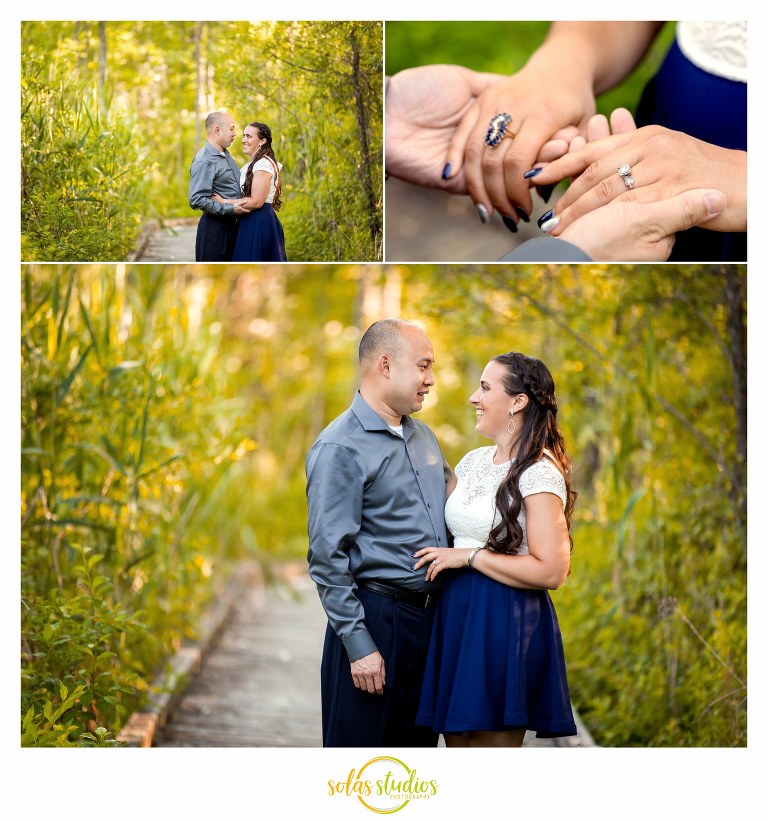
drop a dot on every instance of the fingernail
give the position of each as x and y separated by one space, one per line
532 173
483 213
522 214
550 224
447 171
509 223
715 204
545 216
545 192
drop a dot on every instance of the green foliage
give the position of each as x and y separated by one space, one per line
82 172
167 411
126 158
319 87
128 425
501 47
654 612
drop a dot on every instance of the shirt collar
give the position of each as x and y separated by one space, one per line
213 150
372 421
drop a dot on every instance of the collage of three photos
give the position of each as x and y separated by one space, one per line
393 380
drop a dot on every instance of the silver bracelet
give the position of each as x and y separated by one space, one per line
472 555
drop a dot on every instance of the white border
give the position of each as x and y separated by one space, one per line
227 784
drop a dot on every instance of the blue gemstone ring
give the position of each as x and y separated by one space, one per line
497 129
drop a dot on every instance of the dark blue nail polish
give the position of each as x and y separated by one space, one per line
509 223
447 171
545 192
544 217
523 216
532 173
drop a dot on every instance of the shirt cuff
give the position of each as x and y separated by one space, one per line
359 645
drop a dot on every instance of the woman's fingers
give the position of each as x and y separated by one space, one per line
454 160
598 185
598 128
557 145
622 121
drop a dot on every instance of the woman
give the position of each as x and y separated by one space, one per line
495 666
260 234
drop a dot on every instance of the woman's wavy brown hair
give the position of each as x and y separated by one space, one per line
264 133
529 376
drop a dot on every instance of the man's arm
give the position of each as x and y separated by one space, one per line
201 188
335 481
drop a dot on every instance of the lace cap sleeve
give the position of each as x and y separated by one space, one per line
542 477
263 164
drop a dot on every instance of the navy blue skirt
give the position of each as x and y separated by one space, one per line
683 97
495 661
260 237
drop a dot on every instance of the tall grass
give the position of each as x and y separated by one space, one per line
128 425
82 169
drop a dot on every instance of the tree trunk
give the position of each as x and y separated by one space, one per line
199 84
736 308
362 126
103 65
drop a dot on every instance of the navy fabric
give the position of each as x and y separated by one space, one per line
215 239
683 97
495 661
355 718
260 237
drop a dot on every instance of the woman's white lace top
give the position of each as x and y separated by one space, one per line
262 165
719 47
470 512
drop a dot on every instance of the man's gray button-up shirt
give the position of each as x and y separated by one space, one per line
213 172
373 498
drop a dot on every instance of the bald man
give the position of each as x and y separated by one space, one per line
376 491
214 171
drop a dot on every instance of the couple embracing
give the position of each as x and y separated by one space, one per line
239 205
436 583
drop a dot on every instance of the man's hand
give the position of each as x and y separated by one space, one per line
368 673
241 209
630 230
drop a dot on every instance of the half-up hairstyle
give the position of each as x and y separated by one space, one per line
265 150
529 376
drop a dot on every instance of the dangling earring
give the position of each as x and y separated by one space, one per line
512 420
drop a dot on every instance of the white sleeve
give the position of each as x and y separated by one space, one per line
542 477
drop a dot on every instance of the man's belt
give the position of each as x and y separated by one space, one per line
422 600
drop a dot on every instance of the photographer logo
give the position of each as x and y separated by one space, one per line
384 784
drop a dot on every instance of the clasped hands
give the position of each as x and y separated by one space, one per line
437 117
238 204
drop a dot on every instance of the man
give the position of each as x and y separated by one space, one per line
214 171
376 489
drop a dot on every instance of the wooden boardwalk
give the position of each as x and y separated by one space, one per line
173 242
259 685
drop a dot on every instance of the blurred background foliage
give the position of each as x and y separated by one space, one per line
113 113
501 47
167 411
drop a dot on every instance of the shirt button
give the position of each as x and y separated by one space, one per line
429 505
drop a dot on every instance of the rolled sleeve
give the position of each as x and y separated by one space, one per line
335 486
201 176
